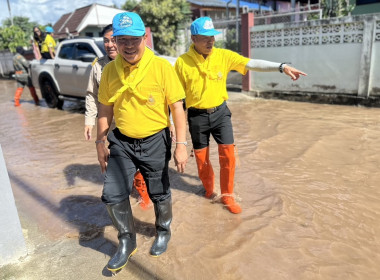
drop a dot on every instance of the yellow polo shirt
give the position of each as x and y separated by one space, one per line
134 116
205 80
49 42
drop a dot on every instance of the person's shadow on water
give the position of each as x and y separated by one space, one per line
89 215
178 181
87 172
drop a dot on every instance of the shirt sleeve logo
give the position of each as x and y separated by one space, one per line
125 21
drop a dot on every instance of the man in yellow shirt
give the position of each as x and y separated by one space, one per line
136 89
48 45
92 104
203 73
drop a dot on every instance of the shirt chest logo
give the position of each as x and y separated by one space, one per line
151 101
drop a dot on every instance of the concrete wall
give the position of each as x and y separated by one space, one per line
12 243
374 83
6 63
340 56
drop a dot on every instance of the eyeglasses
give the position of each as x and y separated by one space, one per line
204 38
126 41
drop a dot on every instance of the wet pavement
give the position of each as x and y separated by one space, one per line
307 181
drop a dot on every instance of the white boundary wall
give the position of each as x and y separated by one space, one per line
12 242
340 56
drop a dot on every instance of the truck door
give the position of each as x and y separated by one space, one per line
63 69
84 54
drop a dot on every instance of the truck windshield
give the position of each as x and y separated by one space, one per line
101 46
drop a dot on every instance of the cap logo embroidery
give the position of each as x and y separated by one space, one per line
208 25
125 21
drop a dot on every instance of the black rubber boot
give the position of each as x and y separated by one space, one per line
122 219
163 211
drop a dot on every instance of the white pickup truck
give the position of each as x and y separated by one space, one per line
66 76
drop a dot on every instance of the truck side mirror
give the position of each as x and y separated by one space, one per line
88 57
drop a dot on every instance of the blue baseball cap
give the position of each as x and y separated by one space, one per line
203 26
49 29
129 24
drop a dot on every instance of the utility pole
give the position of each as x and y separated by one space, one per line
237 21
227 9
10 13
293 5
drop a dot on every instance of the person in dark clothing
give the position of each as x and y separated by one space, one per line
22 77
38 39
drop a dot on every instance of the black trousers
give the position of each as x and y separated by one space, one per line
202 124
46 55
151 155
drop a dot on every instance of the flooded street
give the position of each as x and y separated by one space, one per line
308 183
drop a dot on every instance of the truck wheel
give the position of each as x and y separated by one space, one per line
50 94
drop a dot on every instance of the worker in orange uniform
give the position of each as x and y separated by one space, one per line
21 66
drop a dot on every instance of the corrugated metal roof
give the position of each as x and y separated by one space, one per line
223 4
71 21
251 6
208 3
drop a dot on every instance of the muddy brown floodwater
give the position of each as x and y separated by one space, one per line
308 183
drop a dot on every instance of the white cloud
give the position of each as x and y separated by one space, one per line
47 11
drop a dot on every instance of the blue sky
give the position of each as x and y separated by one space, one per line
47 11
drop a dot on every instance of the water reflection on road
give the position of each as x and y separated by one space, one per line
307 182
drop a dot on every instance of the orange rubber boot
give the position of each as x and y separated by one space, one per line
34 95
17 96
227 174
205 171
139 184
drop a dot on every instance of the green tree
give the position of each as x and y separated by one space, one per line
11 37
129 5
336 8
21 32
164 17
23 23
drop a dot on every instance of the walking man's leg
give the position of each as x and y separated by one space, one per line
117 188
223 134
154 165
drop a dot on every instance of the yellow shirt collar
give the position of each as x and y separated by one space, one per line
126 64
200 58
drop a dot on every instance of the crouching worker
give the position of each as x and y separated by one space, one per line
136 89
21 66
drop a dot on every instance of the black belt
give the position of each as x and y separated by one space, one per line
209 110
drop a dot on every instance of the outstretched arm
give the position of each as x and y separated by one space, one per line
269 66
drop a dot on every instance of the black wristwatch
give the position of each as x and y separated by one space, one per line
281 67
